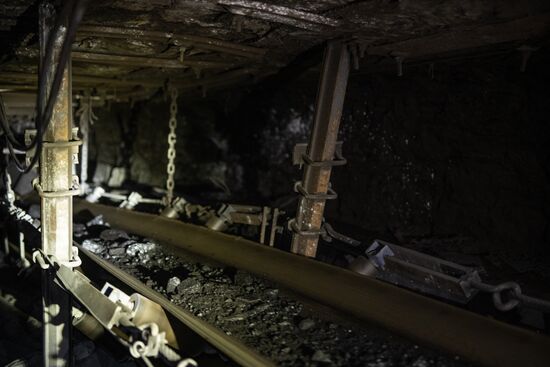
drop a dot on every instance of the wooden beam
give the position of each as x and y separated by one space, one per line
200 42
140 61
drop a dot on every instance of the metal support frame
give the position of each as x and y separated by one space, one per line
56 178
87 118
321 148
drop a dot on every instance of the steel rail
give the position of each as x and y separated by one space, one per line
230 346
476 338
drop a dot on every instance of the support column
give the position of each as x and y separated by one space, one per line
321 148
56 176
85 118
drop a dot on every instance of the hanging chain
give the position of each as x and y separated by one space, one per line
171 154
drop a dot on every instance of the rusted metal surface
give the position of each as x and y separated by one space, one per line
56 212
477 338
321 147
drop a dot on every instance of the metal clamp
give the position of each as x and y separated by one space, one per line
292 226
75 262
300 157
45 261
330 195
131 201
38 257
54 194
153 340
62 144
498 290
341 161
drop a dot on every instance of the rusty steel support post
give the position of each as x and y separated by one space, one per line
56 179
320 151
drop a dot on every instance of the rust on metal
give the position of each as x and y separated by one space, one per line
321 147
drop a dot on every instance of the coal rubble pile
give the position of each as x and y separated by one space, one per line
252 309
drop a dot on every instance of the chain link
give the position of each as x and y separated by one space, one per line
171 153
515 297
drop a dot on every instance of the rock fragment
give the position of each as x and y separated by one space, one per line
140 248
321 357
117 251
172 284
113 234
97 221
93 246
306 324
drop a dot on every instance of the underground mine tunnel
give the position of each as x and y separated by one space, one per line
275 183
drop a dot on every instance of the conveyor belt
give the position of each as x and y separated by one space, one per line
477 338
228 345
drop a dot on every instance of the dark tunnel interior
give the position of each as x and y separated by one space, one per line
274 183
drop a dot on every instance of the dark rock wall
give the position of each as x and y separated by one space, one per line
464 154
200 148
460 153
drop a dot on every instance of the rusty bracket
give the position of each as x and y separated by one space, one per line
300 157
292 226
330 195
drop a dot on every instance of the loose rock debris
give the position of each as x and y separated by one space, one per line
252 309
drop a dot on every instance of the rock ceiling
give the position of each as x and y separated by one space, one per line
128 48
